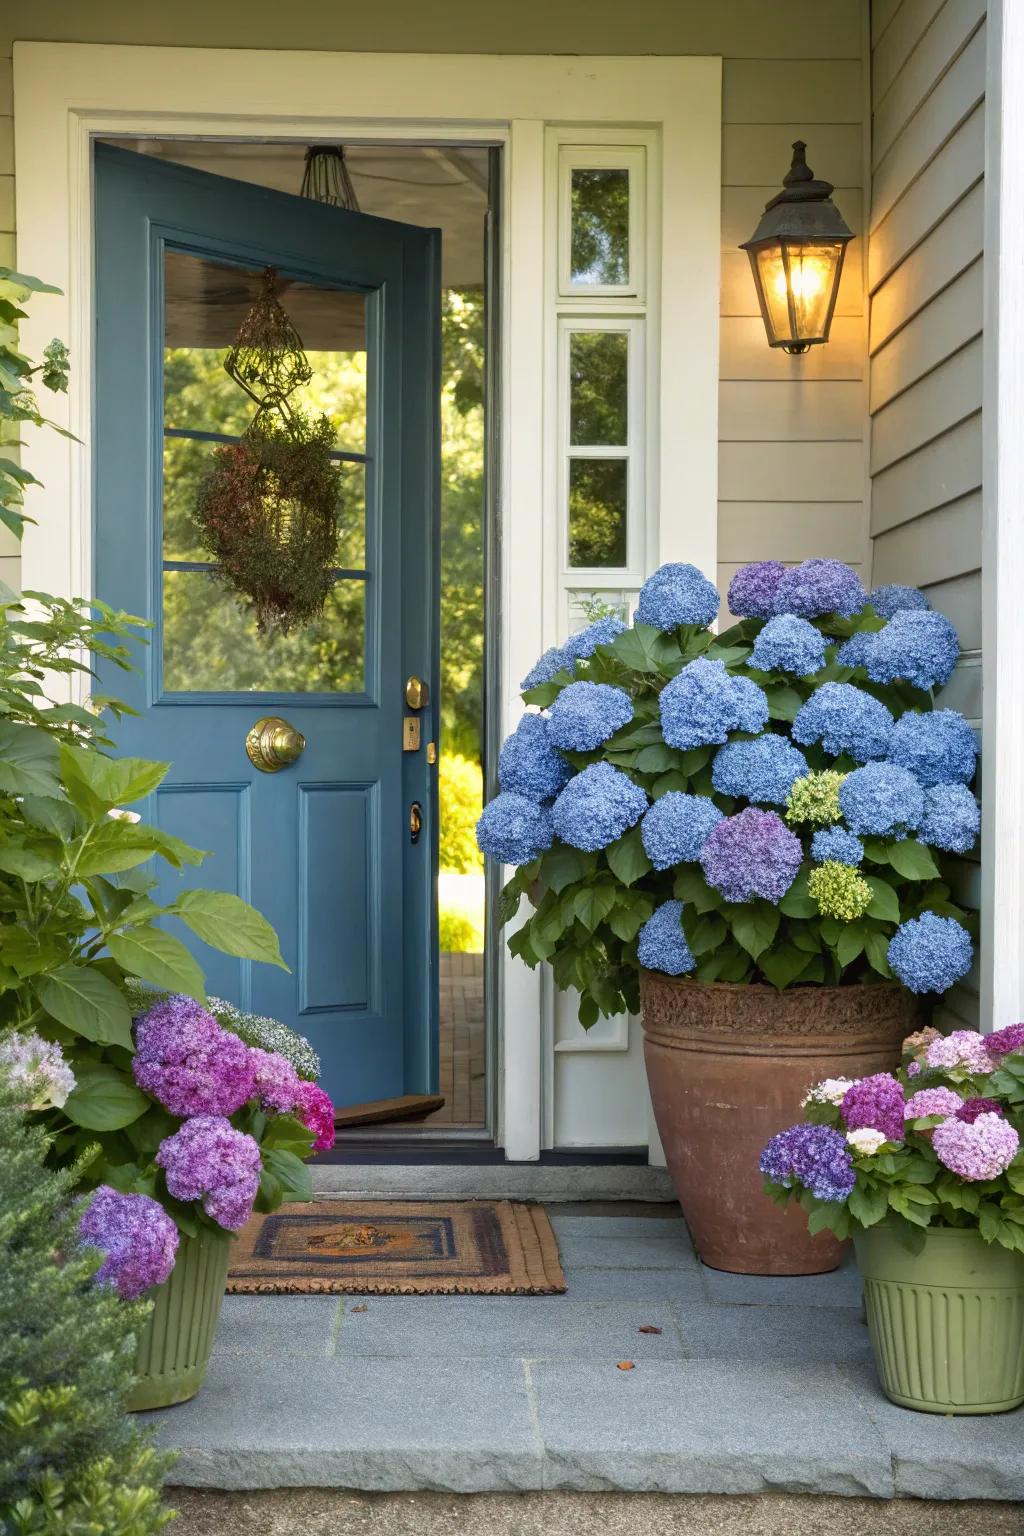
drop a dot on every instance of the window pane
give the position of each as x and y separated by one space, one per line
210 643
598 367
597 511
599 243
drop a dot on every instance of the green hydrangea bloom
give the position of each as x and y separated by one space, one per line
815 798
839 891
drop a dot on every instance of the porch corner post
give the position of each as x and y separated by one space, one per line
1002 869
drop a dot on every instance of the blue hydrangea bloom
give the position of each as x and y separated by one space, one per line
952 818
937 746
514 830
752 854
921 647
815 1156
762 770
663 945
930 953
676 828
789 644
677 594
597 806
855 651
601 632
703 703
819 586
529 764
836 845
881 799
542 671
752 589
845 719
585 714
895 598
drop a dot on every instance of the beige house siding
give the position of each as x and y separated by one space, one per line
925 267
792 463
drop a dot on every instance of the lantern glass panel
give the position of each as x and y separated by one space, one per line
797 280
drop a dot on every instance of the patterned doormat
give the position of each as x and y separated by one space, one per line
394 1248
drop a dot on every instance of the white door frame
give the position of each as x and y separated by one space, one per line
66 94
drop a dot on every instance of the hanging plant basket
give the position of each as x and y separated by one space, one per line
268 515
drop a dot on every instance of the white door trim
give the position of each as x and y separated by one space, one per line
67 93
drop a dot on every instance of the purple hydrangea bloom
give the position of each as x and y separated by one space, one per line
952 818
514 830
932 1101
586 641
663 945
815 1156
929 953
554 660
137 1237
881 799
921 647
817 587
676 828
677 594
586 714
978 1151
938 747
763 770
1001 1042
752 854
188 1063
895 598
855 651
836 845
752 589
845 719
965 1049
208 1160
529 764
703 703
597 807
789 644
277 1082
875 1103
972 1108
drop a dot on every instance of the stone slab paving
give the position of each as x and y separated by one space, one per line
751 1386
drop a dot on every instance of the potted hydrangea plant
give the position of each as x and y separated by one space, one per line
924 1168
750 835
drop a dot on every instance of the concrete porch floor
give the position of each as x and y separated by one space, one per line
752 1385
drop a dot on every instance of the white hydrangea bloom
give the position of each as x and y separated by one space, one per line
866 1141
39 1066
120 814
832 1090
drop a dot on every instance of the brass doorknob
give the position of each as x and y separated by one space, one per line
417 693
272 744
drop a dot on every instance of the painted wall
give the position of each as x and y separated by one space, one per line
925 268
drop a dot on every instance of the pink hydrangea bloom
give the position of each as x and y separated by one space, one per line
962 1048
208 1160
1002 1041
875 1103
314 1108
913 1069
276 1080
976 1152
137 1237
932 1101
188 1063
972 1108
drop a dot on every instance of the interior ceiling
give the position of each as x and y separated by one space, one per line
438 187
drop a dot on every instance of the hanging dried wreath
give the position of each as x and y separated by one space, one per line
268 515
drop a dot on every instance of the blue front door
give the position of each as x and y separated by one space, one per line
324 846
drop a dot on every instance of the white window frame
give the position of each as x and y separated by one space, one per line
66 94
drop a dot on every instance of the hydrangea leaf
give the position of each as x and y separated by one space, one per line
627 859
593 904
783 964
797 902
82 999
508 900
226 922
754 926
104 1098
625 921
28 761
851 943
885 904
691 887
868 1203
158 957
673 780
644 648
562 866
784 703
913 860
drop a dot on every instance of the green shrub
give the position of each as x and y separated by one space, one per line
458 935
461 790
71 1462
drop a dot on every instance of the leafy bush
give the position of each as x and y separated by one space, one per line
71 1463
461 792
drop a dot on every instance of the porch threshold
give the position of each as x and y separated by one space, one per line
751 1386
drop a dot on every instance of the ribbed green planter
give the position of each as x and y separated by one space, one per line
174 1347
946 1324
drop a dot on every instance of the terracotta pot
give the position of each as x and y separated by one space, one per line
728 1065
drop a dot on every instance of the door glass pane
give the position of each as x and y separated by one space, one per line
210 641
597 512
599 236
598 364
211 645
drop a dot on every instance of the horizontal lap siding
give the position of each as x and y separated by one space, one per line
925 277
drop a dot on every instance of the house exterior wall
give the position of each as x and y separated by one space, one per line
925 275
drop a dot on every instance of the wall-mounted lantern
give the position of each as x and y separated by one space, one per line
796 256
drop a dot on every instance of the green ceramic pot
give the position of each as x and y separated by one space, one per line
946 1324
174 1347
